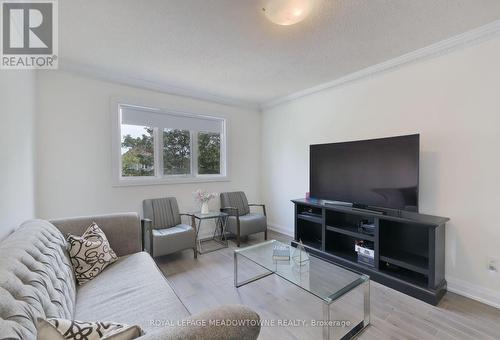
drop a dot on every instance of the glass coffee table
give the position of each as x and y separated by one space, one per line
345 294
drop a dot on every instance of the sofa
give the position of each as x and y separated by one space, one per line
37 281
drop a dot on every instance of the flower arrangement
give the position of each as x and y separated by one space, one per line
204 197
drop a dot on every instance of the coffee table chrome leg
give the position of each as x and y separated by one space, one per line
329 328
327 315
366 301
238 284
235 269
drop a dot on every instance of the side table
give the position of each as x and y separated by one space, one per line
219 234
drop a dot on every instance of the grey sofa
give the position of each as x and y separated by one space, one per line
37 280
242 222
164 232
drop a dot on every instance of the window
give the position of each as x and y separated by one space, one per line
137 151
176 152
208 153
160 146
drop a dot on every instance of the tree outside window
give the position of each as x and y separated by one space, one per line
209 153
176 152
137 151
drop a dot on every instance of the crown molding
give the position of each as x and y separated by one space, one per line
70 66
439 48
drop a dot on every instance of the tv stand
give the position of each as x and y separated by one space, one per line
408 247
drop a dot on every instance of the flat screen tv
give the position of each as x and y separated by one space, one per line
375 173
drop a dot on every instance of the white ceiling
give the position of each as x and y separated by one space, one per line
227 48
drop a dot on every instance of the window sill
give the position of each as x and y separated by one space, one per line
166 181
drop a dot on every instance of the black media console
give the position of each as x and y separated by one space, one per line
409 247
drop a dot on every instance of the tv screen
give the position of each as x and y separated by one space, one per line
378 172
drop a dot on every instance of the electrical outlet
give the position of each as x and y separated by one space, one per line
492 265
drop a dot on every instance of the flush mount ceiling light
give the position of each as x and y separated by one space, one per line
287 12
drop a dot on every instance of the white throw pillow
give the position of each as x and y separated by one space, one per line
62 329
90 253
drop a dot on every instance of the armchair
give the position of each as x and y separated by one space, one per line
242 222
163 230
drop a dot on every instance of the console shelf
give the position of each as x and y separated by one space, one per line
346 255
350 231
310 218
408 247
408 261
312 244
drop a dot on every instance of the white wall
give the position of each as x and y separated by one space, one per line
453 101
17 114
74 148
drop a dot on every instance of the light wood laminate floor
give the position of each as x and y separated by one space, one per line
208 282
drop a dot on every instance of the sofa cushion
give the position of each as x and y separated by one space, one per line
60 329
36 279
123 230
47 331
90 253
229 322
131 291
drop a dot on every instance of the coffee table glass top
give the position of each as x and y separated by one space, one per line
323 279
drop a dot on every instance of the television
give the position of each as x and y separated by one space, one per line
367 173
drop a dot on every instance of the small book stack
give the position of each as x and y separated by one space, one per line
281 253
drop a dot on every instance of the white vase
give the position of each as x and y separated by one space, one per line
204 208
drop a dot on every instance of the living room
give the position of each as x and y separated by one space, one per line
218 106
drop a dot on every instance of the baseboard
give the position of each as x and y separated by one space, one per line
280 229
475 292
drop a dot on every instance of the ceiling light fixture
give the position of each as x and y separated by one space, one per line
287 12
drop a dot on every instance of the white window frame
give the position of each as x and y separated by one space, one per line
159 178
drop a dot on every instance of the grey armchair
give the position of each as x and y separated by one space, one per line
163 230
241 222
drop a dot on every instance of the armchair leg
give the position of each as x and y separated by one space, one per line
238 231
265 235
195 253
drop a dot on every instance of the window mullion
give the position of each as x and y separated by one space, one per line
158 152
222 154
194 153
